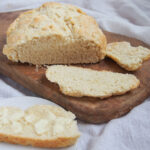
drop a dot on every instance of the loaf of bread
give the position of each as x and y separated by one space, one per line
39 126
78 82
127 56
55 34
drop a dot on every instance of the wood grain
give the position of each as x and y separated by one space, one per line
89 109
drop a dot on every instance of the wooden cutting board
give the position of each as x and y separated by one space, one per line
89 109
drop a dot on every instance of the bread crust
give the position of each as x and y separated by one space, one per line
55 143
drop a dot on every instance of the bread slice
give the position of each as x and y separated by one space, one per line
78 82
55 34
39 126
128 57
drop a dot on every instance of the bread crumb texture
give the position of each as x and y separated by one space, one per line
39 125
127 56
55 34
78 82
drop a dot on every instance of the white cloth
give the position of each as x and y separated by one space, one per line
130 18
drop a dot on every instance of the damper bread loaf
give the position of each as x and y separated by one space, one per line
55 34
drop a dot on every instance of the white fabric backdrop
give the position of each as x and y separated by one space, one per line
131 18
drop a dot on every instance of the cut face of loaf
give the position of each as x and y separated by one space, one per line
55 34
78 82
40 126
127 56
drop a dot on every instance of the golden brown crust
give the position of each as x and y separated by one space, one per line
56 143
51 4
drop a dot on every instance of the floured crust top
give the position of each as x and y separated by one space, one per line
127 56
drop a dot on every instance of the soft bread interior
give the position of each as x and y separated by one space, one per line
54 50
78 81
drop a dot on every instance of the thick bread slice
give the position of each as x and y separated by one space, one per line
78 82
55 34
128 57
40 126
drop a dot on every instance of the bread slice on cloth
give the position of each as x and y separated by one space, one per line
127 56
55 34
78 82
40 126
